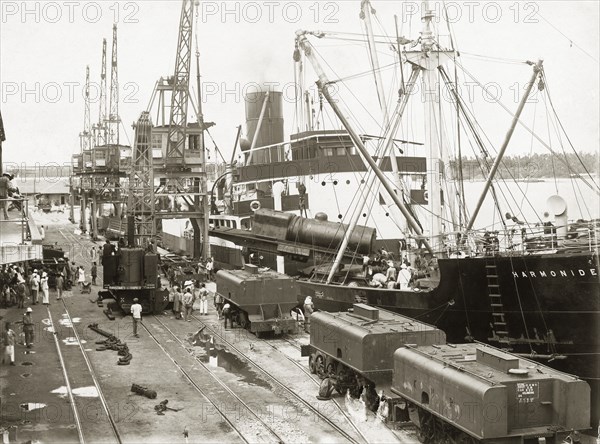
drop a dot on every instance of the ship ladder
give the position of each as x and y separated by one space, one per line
500 331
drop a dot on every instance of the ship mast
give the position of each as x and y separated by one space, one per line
366 11
388 145
323 84
536 71
429 58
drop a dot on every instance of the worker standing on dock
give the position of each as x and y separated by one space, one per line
9 344
60 286
21 292
188 304
45 289
136 311
218 304
94 273
34 286
177 302
80 276
309 308
209 268
28 328
203 300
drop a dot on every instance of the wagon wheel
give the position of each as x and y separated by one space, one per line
311 364
466 439
340 385
426 430
331 369
244 322
320 366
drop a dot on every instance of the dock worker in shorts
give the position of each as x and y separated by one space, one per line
136 311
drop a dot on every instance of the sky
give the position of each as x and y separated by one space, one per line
45 47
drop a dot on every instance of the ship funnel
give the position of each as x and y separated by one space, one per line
558 207
269 128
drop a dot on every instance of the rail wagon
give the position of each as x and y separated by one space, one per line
354 350
261 300
476 393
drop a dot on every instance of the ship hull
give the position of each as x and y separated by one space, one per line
550 305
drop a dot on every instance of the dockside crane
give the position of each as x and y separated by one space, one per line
181 192
99 169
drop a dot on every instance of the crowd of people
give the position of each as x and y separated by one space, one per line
24 288
382 271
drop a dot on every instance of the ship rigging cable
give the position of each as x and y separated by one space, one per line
597 191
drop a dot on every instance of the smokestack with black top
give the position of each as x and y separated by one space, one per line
265 131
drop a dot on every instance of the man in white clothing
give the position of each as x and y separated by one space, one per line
404 277
136 311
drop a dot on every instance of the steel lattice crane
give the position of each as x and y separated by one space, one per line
182 189
113 118
140 204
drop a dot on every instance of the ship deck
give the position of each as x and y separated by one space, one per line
14 243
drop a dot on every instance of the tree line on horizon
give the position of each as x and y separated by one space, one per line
533 166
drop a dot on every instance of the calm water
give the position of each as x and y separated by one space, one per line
528 200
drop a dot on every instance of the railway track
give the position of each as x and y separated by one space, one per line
291 392
312 377
76 414
271 434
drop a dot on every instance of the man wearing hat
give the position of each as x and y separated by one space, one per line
136 311
28 327
404 277
20 291
34 286
60 286
45 289
188 304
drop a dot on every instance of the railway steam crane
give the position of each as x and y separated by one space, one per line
132 271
